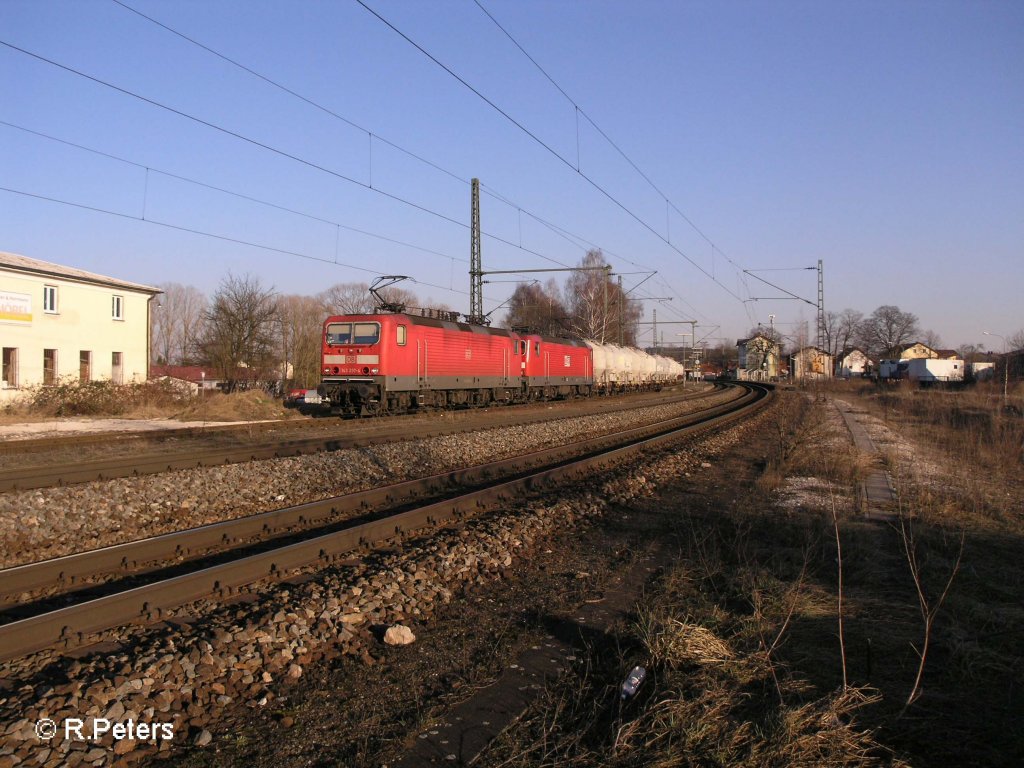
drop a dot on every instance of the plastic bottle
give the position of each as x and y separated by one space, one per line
633 682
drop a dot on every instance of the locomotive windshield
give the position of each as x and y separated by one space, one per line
353 333
339 333
365 333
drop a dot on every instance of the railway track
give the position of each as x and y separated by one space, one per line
49 474
299 537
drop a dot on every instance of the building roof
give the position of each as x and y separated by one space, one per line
851 350
195 373
19 263
184 372
740 342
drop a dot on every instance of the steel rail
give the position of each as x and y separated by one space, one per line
70 627
45 476
62 574
211 429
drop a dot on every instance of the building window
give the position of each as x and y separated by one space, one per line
84 365
10 368
49 366
115 368
50 299
117 308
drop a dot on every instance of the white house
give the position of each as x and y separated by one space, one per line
852 362
58 321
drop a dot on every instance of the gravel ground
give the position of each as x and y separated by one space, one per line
46 523
243 656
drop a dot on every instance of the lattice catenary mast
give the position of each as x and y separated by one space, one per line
476 274
821 307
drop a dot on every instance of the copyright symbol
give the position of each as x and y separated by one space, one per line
46 729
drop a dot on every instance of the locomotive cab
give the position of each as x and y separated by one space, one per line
351 383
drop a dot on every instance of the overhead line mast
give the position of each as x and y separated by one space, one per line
821 307
476 274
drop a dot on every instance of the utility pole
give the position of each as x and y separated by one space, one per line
476 274
655 312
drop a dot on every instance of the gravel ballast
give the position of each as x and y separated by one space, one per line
241 655
45 523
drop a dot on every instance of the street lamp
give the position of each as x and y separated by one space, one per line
1006 363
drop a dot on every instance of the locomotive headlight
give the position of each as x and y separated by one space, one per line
374 370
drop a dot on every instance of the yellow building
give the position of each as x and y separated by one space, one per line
58 322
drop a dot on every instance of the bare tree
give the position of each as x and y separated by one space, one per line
841 330
538 308
437 306
299 326
970 353
846 328
832 320
888 330
1016 341
403 297
596 304
931 339
239 329
347 299
178 323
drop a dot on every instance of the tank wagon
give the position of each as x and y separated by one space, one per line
393 363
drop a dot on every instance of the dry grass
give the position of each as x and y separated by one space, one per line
253 405
71 397
741 638
154 399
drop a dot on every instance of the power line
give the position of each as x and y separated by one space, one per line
328 111
274 150
580 111
222 190
287 90
214 235
305 99
554 152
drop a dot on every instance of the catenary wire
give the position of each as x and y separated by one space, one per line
558 230
215 236
554 152
274 150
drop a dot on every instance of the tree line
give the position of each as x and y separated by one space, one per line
251 332
883 334
247 329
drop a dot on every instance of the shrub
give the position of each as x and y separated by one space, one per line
71 397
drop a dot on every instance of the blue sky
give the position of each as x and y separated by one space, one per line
882 138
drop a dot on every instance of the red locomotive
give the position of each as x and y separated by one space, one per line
392 363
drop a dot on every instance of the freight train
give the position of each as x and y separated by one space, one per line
394 363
